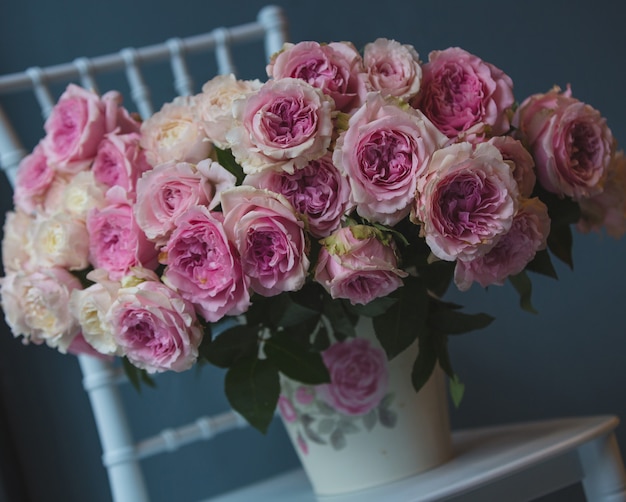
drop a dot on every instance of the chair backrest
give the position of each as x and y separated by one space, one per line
121 454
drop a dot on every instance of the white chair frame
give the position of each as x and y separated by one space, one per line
121 455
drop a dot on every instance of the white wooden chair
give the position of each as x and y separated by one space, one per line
121 454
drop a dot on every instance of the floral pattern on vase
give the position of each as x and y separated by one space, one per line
357 398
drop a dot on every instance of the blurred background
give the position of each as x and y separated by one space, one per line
568 360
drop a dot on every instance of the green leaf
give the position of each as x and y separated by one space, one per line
339 318
235 343
295 360
425 363
401 324
226 159
374 308
453 322
560 242
521 282
136 375
542 264
457 389
252 387
440 344
438 276
294 314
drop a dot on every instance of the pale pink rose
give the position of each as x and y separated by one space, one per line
90 307
34 177
392 68
173 134
74 130
76 197
118 120
36 306
116 243
166 192
359 377
464 96
513 251
214 105
286 409
120 161
79 347
521 160
60 240
156 329
384 151
354 264
285 124
17 250
570 141
335 68
608 208
269 237
467 201
204 267
318 191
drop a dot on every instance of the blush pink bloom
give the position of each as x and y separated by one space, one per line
521 160
335 68
354 264
214 105
608 208
36 306
204 267
155 328
74 130
392 68
17 250
358 374
77 196
467 201
318 191
79 346
513 251
118 120
464 96
60 240
570 141
34 178
116 243
166 192
269 238
173 134
384 151
285 124
120 161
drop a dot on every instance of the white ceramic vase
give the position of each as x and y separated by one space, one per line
369 426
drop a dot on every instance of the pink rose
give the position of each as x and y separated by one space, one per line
204 267
269 238
570 141
17 250
77 196
608 208
118 120
214 105
358 375
116 243
521 160
335 68
34 177
465 97
392 68
166 192
36 306
512 252
354 264
173 134
120 161
318 191
74 130
156 329
467 201
384 151
285 124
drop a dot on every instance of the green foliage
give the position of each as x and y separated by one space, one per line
136 376
226 159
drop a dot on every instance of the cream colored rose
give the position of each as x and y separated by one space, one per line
214 105
60 241
17 251
173 134
82 194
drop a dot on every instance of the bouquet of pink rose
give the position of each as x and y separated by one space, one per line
346 185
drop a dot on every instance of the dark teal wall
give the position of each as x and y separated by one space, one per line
568 360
